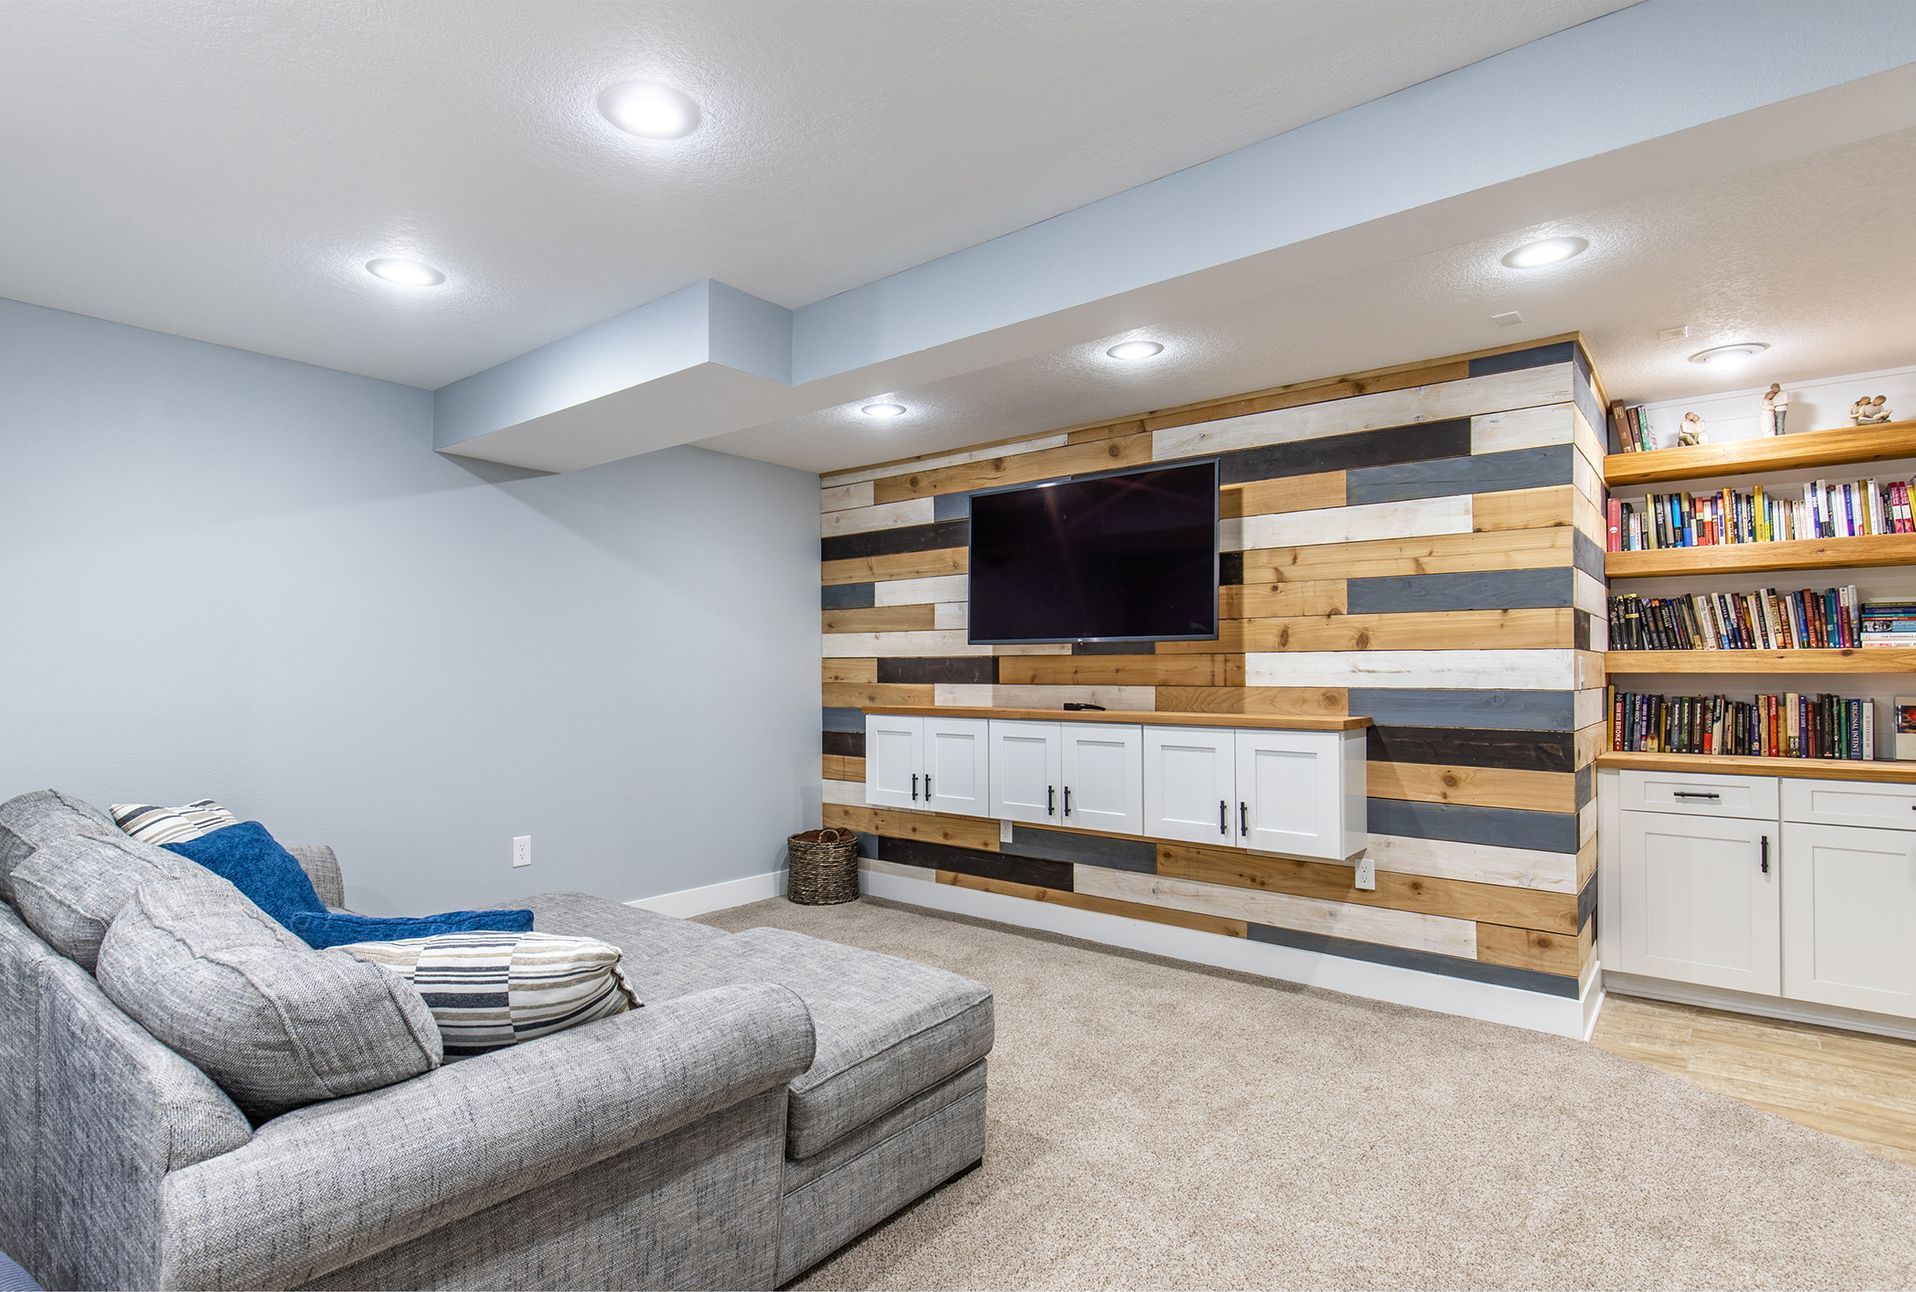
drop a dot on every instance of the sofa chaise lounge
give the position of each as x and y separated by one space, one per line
776 1097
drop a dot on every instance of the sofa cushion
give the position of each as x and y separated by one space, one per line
644 936
69 889
32 819
150 823
274 1022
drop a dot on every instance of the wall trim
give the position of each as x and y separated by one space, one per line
1558 1015
1736 1002
687 902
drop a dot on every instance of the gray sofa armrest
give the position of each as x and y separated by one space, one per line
322 867
331 1184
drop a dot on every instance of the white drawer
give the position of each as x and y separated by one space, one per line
1699 794
1850 803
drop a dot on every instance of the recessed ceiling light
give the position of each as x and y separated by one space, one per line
1129 350
883 410
1729 356
407 273
1551 251
650 111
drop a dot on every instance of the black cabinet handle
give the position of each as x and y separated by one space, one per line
1695 794
1050 798
927 787
914 787
1067 801
1222 808
1243 817
1766 854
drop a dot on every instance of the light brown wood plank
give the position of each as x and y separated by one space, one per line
1518 549
863 695
1104 905
1275 701
894 565
1099 455
1815 769
1524 508
849 670
1286 493
1586 862
1322 391
1122 670
1261 600
1549 629
1589 742
1869 551
1156 717
1498 787
1558 953
1453 898
878 619
932 827
1862 659
843 767
1800 451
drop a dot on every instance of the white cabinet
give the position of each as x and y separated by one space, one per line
1190 784
1291 793
1849 917
935 763
1102 773
1699 901
1027 769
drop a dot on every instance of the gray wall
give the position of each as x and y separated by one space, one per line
231 576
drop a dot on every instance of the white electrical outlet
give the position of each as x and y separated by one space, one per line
1004 832
1366 875
522 850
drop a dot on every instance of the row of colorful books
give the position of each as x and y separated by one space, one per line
1889 623
1825 509
1761 620
1789 725
1631 428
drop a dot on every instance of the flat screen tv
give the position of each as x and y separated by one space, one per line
1125 556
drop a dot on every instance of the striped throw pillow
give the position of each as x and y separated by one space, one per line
490 990
163 825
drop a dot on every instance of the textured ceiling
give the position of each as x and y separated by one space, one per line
220 169
1799 257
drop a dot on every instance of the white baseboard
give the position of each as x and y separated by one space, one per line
1737 1002
688 902
1559 1015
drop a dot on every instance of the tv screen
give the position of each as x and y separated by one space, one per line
1129 556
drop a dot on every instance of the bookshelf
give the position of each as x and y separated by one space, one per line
1754 558
1860 659
1803 451
1881 772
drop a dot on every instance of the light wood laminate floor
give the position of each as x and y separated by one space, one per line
1856 1087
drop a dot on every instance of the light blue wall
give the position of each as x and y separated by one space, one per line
232 576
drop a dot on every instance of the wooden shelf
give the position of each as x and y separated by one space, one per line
1150 718
1838 446
1751 558
1863 659
1818 769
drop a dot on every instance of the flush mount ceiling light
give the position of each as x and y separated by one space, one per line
1729 356
1132 350
407 273
1550 251
650 111
883 410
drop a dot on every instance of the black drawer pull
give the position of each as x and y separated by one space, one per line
1243 818
1067 801
1696 794
1222 808
1050 799
914 787
1766 854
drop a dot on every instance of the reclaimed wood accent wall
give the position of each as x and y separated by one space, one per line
1422 546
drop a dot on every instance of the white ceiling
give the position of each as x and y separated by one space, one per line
1814 258
220 169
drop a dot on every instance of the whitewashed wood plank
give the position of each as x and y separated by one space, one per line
845 793
1523 428
1517 670
1586 823
840 497
950 614
1587 708
964 695
1589 594
918 592
879 645
1587 478
1589 441
1411 518
1553 872
860 520
1600 633
1435 933
858 475
1499 392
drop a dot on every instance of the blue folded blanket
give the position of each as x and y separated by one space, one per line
250 859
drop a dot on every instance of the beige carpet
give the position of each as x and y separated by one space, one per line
1157 1125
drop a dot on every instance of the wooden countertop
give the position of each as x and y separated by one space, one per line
1153 718
1880 771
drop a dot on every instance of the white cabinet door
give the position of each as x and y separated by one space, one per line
1103 777
1700 902
894 760
957 766
1290 790
1190 784
1849 917
1026 771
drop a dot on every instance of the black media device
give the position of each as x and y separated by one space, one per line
1123 556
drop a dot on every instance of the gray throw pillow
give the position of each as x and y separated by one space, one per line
70 889
40 817
275 1023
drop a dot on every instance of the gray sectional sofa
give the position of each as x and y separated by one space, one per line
776 1097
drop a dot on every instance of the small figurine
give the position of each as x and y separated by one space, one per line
1868 412
1776 407
1691 432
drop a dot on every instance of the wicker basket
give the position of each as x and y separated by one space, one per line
824 867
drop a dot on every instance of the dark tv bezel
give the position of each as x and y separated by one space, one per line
1216 558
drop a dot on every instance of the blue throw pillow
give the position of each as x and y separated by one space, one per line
336 929
272 878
